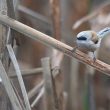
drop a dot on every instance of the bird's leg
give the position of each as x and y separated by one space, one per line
74 49
94 57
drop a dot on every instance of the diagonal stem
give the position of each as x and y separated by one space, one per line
20 79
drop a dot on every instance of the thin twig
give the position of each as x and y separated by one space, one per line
6 9
38 97
57 58
90 16
49 92
55 95
49 41
6 82
56 18
35 90
10 8
41 19
20 79
3 36
55 72
27 72
18 96
11 14
33 14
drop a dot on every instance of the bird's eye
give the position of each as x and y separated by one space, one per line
82 38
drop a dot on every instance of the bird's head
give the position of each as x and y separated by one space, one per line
84 35
88 36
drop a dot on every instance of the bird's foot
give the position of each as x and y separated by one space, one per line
94 59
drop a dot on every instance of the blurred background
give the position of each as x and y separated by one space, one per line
79 86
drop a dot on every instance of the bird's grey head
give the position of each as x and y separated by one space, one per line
84 35
104 32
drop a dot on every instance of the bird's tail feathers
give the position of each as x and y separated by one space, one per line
104 32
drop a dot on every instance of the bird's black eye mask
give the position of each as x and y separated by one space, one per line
82 38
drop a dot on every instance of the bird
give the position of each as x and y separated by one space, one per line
90 40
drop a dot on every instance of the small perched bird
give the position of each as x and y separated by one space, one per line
91 40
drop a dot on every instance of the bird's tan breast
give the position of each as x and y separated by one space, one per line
94 37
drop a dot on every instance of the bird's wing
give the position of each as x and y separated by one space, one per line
94 37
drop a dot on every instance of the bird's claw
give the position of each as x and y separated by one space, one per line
94 59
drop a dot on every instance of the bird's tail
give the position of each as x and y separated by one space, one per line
104 32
